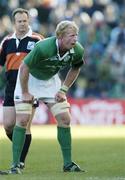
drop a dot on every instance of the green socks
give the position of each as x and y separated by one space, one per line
64 138
18 142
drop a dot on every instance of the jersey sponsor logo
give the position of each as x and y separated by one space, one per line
30 45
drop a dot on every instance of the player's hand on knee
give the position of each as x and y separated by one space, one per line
27 97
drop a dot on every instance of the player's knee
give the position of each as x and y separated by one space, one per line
61 112
23 124
8 128
60 108
23 113
22 120
63 122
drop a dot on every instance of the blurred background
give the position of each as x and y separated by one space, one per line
97 97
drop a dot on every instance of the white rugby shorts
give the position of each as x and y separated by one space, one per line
40 89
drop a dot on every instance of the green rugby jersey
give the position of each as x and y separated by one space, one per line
44 60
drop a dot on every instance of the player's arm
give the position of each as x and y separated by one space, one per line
71 77
73 71
24 76
69 80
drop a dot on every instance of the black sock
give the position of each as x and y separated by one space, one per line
10 136
26 147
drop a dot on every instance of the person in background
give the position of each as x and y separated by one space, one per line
13 49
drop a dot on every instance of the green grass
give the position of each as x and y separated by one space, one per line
102 156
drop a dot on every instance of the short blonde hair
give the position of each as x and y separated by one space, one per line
62 27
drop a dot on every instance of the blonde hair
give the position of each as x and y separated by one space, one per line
62 27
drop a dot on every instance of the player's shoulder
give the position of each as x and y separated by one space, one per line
7 38
47 45
49 41
38 36
79 48
79 45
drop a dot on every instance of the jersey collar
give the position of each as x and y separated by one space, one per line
71 51
29 33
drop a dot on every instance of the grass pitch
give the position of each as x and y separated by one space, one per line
98 150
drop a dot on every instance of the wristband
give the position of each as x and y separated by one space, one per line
64 89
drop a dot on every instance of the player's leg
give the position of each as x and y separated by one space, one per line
26 112
63 133
9 114
63 117
23 113
27 142
64 138
9 119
